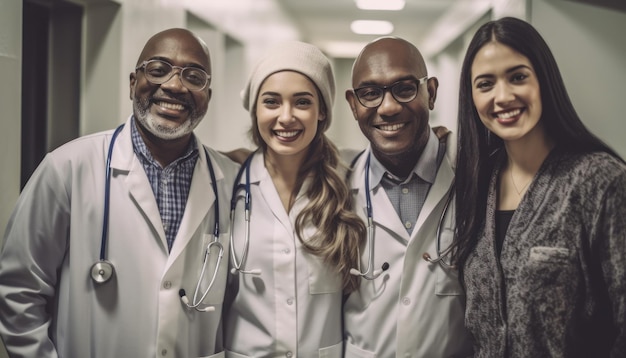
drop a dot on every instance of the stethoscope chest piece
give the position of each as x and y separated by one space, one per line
102 271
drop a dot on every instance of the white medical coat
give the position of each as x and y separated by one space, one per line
293 308
415 308
51 307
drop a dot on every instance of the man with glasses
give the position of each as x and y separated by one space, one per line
406 306
113 227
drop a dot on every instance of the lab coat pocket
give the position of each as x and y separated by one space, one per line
353 351
448 283
322 276
230 354
216 355
334 351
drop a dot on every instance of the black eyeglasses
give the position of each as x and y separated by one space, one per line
159 72
402 91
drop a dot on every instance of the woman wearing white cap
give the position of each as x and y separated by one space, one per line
290 266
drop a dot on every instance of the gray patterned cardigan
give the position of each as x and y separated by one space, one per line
559 287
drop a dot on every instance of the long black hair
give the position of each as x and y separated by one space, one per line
476 144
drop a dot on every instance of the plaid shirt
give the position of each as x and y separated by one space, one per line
170 185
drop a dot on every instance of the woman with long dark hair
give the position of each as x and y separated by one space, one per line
541 204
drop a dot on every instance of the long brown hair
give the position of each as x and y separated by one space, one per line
340 232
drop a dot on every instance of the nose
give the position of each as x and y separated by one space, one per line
503 93
174 83
286 116
389 106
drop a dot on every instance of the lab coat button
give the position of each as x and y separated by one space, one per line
290 301
286 251
406 301
163 352
289 355
167 285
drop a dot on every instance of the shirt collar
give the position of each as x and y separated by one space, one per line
425 168
141 149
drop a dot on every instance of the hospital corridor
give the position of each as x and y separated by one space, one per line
69 68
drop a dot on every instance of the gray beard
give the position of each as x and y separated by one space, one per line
148 121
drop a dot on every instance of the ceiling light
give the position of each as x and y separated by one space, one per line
343 49
380 4
371 27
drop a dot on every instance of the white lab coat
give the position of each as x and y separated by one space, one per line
50 306
415 308
294 307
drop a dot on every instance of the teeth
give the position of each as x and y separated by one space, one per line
286 134
507 115
178 107
391 127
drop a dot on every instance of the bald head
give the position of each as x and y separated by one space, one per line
165 107
177 39
387 54
396 125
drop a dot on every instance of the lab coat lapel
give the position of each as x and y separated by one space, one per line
260 175
124 162
437 193
199 203
383 212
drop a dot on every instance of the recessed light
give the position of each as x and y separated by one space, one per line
380 4
371 27
343 49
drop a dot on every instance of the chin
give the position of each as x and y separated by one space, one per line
161 127
155 126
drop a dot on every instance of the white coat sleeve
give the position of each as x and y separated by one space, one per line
35 244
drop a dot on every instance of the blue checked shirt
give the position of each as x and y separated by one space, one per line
408 195
170 185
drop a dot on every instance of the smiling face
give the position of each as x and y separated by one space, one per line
506 92
170 111
393 129
288 109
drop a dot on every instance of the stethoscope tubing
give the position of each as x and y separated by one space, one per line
107 195
239 263
371 275
103 270
441 255
195 303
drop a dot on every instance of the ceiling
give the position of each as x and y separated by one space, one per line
326 23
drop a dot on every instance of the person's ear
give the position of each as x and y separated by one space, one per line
432 84
351 98
133 82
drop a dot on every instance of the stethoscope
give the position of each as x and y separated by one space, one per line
239 263
441 255
371 274
103 270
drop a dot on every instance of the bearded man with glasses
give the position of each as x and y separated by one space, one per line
406 306
153 190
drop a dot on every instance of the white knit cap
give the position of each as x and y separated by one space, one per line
295 56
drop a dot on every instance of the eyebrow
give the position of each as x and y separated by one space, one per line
165 59
374 83
297 94
512 69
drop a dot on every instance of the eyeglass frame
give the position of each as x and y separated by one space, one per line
389 88
143 65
